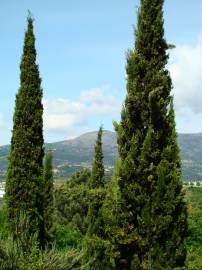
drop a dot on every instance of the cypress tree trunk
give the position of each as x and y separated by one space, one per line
48 208
24 175
153 213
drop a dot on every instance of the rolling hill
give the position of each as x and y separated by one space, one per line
72 155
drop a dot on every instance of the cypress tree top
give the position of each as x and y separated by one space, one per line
26 154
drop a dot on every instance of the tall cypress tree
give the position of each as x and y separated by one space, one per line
153 214
48 208
94 244
97 175
24 175
96 184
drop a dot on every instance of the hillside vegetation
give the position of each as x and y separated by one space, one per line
72 155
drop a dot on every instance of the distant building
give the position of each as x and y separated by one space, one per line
195 183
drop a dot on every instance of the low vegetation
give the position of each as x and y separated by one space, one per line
194 240
66 251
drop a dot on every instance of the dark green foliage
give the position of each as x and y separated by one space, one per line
4 228
97 254
67 237
96 185
24 253
97 175
13 258
153 213
48 207
164 216
195 217
61 256
72 201
94 243
24 173
79 178
94 217
194 240
112 216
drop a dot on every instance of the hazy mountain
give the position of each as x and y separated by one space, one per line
72 155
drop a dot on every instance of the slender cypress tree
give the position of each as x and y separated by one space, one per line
24 175
153 212
94 244
97 175
48 208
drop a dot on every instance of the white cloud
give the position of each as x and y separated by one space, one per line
188 121
2 123
186 72
62 114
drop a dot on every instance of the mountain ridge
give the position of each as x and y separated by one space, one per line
74 154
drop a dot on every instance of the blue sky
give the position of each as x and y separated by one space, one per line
81 49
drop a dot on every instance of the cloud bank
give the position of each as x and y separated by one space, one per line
62 114
186 73
72 117
185 68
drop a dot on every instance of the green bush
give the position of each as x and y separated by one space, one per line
24 253
194 259
13 258
72 201
67 237
194 240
